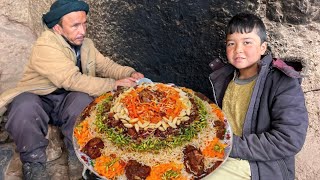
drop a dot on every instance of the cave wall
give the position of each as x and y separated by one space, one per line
174 41
169 41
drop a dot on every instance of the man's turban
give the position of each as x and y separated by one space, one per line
62 7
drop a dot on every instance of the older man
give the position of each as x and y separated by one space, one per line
64 73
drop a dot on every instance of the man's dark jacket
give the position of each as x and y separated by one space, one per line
276 122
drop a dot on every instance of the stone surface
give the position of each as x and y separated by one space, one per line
54 149
5 156
3 136
173 41
38 8
169 41
16 39
307 160
56 158
57 168
292 11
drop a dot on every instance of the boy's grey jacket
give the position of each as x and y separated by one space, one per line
276 122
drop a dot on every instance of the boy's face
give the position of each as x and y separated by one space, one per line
244 51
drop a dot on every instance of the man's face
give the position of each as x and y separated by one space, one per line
73 27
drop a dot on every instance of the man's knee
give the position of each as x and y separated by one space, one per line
82 97
79 99
76 102
26 108
23 106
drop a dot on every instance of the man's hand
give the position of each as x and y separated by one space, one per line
137 75
127 82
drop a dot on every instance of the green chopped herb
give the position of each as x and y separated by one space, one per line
122 140
217 148
170 174
111 163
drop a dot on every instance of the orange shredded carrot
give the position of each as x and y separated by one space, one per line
109 167
102 97
214 149
217 111
82 134
154 111
170 171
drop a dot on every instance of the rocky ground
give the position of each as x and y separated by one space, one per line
10 164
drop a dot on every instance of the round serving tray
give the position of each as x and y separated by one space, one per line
88 162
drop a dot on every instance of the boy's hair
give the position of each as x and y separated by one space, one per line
246 23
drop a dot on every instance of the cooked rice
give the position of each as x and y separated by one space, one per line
165 155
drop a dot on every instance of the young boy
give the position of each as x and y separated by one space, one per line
263 102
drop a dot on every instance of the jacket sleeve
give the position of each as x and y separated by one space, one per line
105 67
288 126
50 61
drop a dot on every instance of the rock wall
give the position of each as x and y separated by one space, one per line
16 38
174 41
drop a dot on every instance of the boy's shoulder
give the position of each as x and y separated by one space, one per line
290 68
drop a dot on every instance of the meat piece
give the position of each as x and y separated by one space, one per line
220 133
220 130
107 107
212 168
203 97
159 95
164 134
193 160
218 123
113 123
209 170
133 133
194 113
92 148
119 90
145 134
136 171
86 112
145 96
160 134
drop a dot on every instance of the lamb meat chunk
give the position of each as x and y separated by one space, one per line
93 147
193 160
146 96
220 130
132 133
136 171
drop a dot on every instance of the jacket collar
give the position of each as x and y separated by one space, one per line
223 73
61 39
64 42
286 69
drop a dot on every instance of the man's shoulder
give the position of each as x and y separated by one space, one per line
47 36
88 44
88 41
